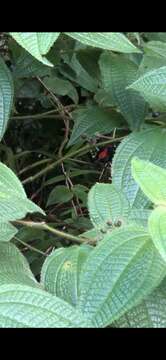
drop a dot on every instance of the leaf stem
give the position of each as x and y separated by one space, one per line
31 166
44 226
46 114
30 247
34 116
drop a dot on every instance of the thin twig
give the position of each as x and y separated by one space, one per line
44 226
54 97
31 166
30 247
84 149
22 153
43 114
80 161
34 116
69 186
66 137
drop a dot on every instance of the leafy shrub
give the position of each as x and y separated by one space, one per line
85 244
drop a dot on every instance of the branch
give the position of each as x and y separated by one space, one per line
44 226
84 149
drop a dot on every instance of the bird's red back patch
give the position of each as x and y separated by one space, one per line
103 154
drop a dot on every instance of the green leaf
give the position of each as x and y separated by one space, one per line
105 40
60 194
106 204
109 208
139 217
150 62
14 268
80 191
117 73
29 89
37 44
147 145
120 272
80 222
7 231
149 314
90 234
61 272
26 65
92 120
76 72
136 58
13 200
161 36
61 87
104 98
157 229
151 179
9 182
74 173
152 86
89 58
24 306
46 40
15 207
6 96
157 47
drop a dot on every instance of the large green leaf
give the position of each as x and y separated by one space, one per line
7 231
61 272
150 62
149 314
74 71
104 98
15 207
156 47
117 73
13 200
92 120
147 145
9 182
90 234
89 58
107 206
157 229
14 268
151 179
46 40
61 87
152 86
120 272
6 96
26 66
139 216
105 40
24 306
37 44
159 36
